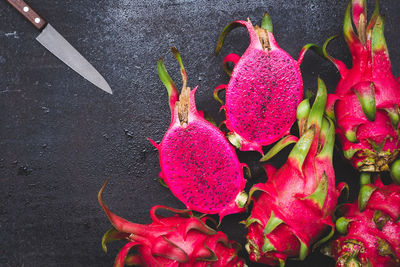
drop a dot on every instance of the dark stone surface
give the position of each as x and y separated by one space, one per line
61 137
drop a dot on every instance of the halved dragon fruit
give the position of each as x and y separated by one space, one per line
264 90
197 162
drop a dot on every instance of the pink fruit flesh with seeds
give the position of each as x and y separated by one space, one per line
257 106
201 166
264 90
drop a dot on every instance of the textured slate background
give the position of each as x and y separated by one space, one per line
61 137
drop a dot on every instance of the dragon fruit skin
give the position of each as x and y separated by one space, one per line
264 89
367 96
181 240
198 164
294 207
370 228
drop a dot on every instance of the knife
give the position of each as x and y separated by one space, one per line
60 47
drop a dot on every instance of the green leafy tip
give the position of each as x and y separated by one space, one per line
272 223
284 142
380 219
303 250
364 196
303 109
267 246
300 150
365 93
318 108
179 59
351 136
319 195
325 45
235 139
168 83
217 90
266 23
378 42
341 225
395 171
327 130
353 262
224 33
241 199
393 115
165 77
348 30
349 153
365 178
325 238
111 235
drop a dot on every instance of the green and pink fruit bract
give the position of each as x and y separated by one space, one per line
198 164
264 89
367 98
182 240
294 208
370 228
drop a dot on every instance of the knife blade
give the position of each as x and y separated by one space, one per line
60 47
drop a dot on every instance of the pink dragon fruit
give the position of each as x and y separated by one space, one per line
264 89
197 162
370 228
368 95
181 240
294 207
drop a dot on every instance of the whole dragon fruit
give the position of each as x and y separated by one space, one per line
264 89
294 207
368 95
198 164
370 228
181 240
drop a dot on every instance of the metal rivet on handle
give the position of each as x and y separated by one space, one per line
26 9
37 20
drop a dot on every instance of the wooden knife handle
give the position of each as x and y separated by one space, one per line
28 13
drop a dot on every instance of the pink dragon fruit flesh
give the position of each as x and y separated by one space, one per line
369 228
182 240
264 89
294 208
367 98
198 164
